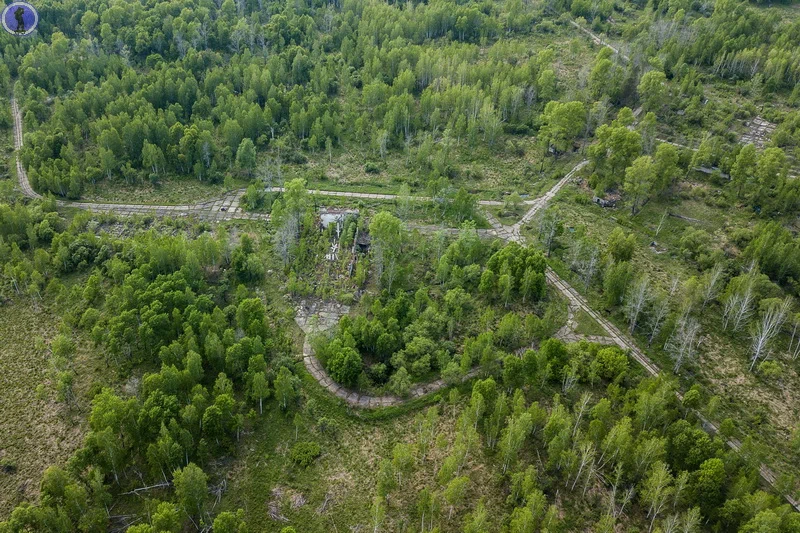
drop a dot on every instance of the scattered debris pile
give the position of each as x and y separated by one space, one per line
758 132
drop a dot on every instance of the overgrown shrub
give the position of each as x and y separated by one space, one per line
7 466
611 362
304 453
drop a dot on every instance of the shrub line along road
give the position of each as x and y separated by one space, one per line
227 208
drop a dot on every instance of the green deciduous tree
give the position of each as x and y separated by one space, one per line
652 90
345 366
455 492
230 522
400 382
656 490
286 385
707 484
259 389
246 156
615 149
191 489
665 167
620 246
388 238
744 169
639 179
617 278
562 122
514 435
167 518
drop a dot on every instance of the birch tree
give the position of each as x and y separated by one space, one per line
388 235
549 225
647 452
584 260
638 183
730 307
513 437
426 430
656 490
794 342
588 267
426 506
455 492
571 375
402 460
683 342
580 410
378 513
286 385
286 235
772 320
586 462
636 300
681 484
404 201
691 521
738 307
529 279
615 510
495 420
661 221
659 309
711 283
259 389
674 284
466 440
617 444
576 253
671 523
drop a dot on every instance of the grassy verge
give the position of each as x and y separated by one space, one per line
171 191
6 147
586 325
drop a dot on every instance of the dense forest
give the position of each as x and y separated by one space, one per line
178 350
195 89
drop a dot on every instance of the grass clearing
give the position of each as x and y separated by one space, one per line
346 471
36 430
514 165
658 251
172 191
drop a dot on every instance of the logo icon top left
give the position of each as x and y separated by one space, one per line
20 19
